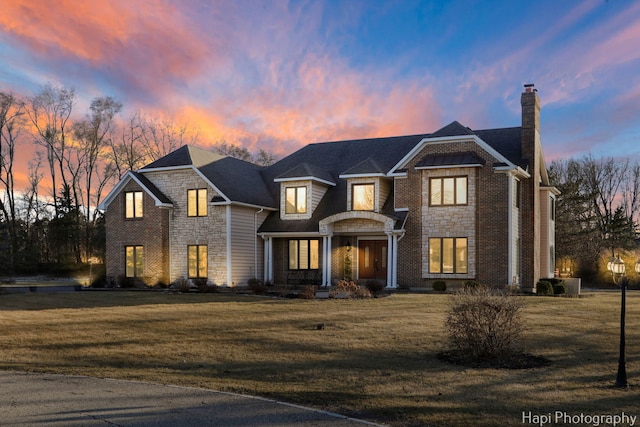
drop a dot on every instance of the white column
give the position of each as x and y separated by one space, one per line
327 262
394 275
389 260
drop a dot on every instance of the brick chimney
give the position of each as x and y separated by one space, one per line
531 156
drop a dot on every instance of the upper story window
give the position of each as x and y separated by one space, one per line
197 202
133 204
362 197
448 191
296 200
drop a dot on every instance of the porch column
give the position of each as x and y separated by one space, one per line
390 266
326 262
268 259
394 265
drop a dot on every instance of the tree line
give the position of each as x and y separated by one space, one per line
597 212
81 155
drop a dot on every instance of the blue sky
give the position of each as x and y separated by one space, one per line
278 74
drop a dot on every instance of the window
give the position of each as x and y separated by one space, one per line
448 191
197 261
197 202
304 254
362 197
133 204
448 255
134 261
296 200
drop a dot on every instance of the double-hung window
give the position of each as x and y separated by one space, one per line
134 261
197 202
296 200
362 197
304 254
197 261
448 255
448 191
133 204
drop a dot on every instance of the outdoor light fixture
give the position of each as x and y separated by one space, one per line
617 268
348 245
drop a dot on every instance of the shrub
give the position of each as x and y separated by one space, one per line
307 292
348 289
471 285
544 287
484 323
374 286
439 286
181 284
257 286
560 288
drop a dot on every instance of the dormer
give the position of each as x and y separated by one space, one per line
301 189
367 186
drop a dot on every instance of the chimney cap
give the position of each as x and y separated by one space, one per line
530 87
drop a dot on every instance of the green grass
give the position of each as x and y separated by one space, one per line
375 359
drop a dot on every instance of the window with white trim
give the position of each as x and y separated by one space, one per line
362 197
134 261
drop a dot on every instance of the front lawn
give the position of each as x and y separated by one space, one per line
375 359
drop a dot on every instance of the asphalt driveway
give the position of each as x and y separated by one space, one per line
59 400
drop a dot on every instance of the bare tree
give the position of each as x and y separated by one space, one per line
11 125
161 136
126 147
49 111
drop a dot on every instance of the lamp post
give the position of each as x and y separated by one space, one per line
617 268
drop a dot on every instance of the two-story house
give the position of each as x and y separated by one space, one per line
455 205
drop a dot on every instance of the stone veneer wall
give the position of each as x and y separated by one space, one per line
450 221
491 219
185 231
151 231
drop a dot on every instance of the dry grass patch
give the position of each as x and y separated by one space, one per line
375 359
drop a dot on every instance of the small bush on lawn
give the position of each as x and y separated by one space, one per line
484 324
348 290
544 287
439 286
257 286
375 286
307 292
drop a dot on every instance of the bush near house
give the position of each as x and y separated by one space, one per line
257 286
374 286
439 286
348 290
544 287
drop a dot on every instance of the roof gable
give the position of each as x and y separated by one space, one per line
160 198
367 167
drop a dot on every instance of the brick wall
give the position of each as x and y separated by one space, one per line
491 219
151 231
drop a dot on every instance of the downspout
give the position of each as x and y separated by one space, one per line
255 243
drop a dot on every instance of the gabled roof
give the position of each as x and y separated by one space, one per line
236 180
160 198
452 129
187 155
307 171
367 167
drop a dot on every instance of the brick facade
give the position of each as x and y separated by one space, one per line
151 231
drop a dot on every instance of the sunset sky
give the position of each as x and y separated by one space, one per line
281 74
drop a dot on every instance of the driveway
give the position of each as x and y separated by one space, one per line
60 400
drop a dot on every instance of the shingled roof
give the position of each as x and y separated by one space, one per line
237 180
